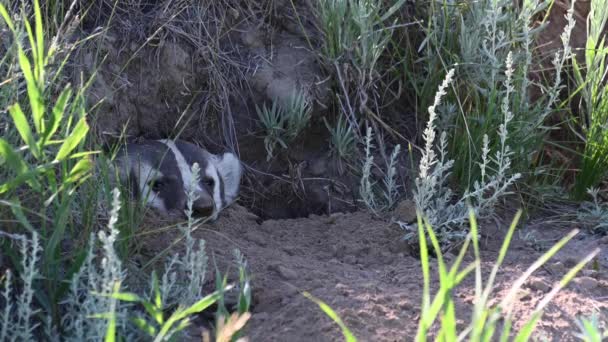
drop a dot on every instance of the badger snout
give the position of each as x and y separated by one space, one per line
203 206
203 209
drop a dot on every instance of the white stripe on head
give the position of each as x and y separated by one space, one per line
183 166
146 174
211 171
230 169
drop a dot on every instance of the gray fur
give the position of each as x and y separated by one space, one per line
160 173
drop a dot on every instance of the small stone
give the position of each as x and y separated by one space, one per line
604 240
257 239
405 211
558 268
262 316
342 289
586 283
538 284
287 273
284 272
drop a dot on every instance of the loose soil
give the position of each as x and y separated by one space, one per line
359 266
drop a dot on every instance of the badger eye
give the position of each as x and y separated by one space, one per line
156 185
208 182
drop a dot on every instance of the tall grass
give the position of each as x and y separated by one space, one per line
488 322
591 79
47 165
476 39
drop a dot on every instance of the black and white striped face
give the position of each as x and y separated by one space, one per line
160 173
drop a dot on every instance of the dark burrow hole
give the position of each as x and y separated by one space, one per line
287 205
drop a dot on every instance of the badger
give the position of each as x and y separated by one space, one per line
159 172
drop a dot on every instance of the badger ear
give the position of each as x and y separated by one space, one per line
229 168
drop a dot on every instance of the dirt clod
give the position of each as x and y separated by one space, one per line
538 284
586 283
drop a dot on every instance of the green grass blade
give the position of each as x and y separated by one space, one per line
23 128
82 167
7 18
423 324
39 42
18 212
348 335
33 92
72 141
12 159
537 264
144 326
525 333
57 114
566 279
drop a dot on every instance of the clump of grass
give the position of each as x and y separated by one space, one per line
283 123
477 39
590 329
342 139
353 30
488 321
592 82
375 197
594 213
432 195
49 161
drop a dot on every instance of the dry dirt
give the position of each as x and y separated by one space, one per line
357 264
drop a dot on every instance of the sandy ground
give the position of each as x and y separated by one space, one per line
358 265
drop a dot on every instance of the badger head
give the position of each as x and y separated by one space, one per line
160 173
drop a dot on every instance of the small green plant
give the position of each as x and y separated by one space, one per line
353 30
369 188
342 140
163 328
595 96
488 321
283 123
432 195
590 329
348 335
595 213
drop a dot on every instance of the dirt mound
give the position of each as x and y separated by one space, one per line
358 265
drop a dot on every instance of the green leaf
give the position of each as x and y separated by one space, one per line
58 113
82 167
158 301
125 297
12 159
39 41
392 9
525 333
18 165
72 141
348 335
33 93
156 313
7 18
23 128
18 212
144 326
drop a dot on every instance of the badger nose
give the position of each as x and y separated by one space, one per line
203 207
